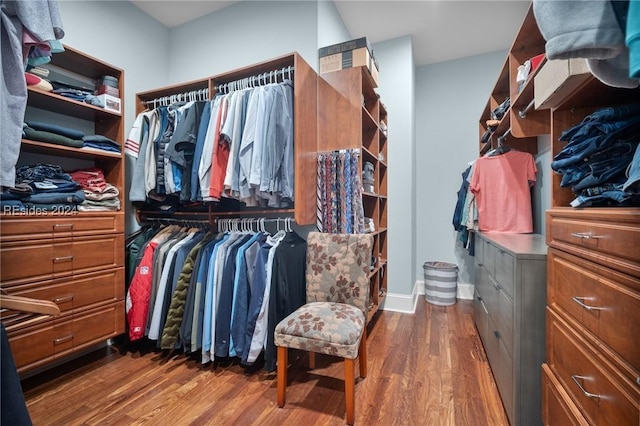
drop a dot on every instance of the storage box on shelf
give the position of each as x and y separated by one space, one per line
592 369
348 97
73 258
558 79
352 53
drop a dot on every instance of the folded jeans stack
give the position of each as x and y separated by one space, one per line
601 161
53 190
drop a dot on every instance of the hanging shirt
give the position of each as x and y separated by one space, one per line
205 165
501 185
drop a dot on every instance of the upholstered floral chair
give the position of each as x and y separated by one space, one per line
333 321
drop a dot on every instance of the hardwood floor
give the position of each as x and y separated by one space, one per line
424 369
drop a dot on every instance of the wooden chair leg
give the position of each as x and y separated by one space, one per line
312 360
362 354
349 389
282 374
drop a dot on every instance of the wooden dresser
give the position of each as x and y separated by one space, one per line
592 370
72 258
592 374
509 304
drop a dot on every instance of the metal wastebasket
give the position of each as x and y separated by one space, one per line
440 283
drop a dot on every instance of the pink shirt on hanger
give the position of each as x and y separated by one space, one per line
501 185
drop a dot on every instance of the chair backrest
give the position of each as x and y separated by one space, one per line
338 267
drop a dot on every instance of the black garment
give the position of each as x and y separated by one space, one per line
13 409
288 288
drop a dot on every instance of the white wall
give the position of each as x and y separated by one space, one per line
450 97
242 34
396 89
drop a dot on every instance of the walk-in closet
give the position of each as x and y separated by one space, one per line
320 212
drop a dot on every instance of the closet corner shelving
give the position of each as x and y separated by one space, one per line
75 259
348 97
522 123
304 109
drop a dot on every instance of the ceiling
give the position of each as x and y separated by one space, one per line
441 30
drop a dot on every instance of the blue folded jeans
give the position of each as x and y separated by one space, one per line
577 150
599 168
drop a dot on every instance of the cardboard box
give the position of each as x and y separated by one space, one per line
557 80
111 103
350 58
345 47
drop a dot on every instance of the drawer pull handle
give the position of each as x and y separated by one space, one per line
63 339
63 299
585 236
63 225
62 259
579 301
496 333
576 379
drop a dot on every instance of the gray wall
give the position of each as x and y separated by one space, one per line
450 97
242 34
331 29
396 89
134 42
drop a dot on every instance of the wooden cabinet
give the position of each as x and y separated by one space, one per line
593 300
509 303
521 123
593 309
352 116
75 259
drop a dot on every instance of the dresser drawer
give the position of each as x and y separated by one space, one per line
502 368
60 337
78 291
505 270
28 261
558 407
601 235
599 299
602 394
19 228
502 317
480 316
487 254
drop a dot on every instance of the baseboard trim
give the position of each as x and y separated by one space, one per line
407 303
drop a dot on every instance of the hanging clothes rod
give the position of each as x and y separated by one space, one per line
193 95
257 80
255 224
504 136
523 112
194 223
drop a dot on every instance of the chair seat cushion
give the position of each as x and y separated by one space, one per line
323 327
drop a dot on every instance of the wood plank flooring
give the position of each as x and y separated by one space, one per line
424 369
